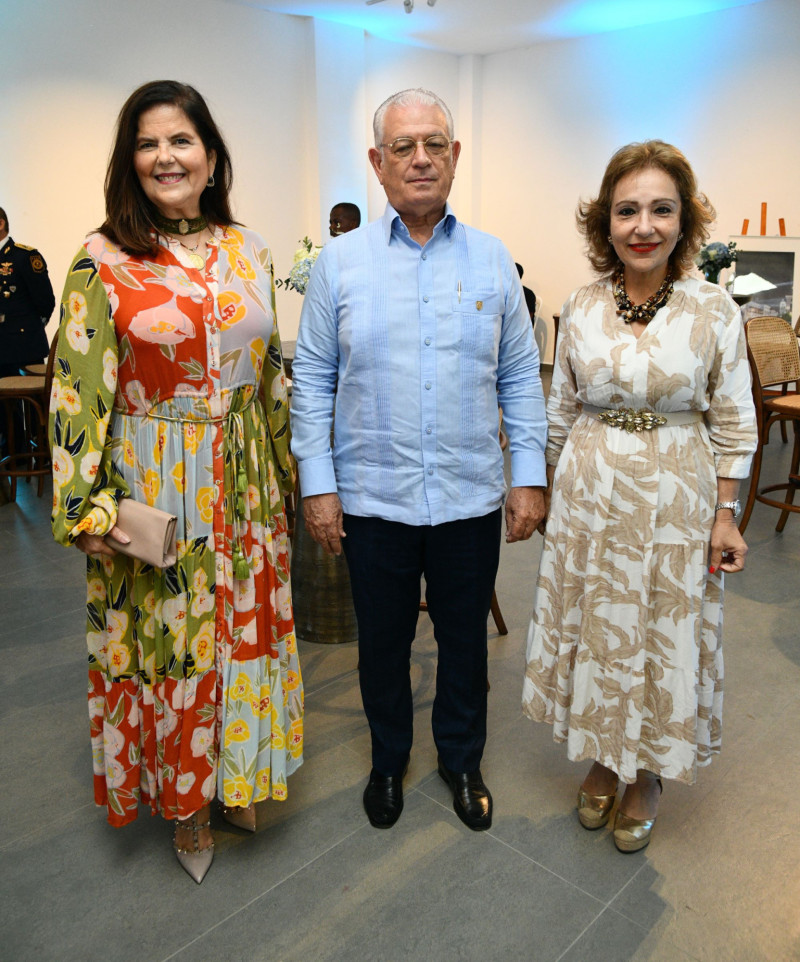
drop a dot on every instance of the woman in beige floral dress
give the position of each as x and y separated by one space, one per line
652 427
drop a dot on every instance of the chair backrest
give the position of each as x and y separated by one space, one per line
773 348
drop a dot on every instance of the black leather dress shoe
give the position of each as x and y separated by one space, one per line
383 799
472 800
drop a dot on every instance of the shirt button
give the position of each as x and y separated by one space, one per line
426 298
428 429
424 257
427 341
430 470
427 385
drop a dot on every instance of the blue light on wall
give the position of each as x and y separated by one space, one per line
584 17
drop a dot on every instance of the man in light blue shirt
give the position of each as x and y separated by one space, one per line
416 326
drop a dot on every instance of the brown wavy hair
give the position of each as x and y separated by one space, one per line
129 212
594 216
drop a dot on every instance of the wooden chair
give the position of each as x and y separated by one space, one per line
784 389
772 351
497 615
29 455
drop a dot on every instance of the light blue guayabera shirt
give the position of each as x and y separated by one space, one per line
417 345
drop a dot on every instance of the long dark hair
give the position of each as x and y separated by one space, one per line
130 214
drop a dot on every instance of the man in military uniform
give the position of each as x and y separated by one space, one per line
26 303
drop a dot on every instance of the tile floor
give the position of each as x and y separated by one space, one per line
719 882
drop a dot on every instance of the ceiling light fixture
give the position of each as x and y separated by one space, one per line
408 5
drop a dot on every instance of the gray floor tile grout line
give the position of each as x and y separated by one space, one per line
261 895
62 816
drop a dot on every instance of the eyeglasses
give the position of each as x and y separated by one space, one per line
403 147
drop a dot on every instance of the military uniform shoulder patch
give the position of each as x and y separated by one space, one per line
37 262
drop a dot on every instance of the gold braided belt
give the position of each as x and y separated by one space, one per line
633 420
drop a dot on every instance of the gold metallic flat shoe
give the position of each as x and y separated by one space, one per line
244 818
594 810
633 834
194 861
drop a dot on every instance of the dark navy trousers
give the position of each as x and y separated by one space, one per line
459 561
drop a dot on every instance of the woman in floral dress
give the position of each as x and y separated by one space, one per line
169 388
651 427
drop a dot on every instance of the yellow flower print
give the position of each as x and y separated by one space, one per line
296 739
173 614
96 642
278 741
265 703
241 688
65 397
202 647
149 604
63 466
115 773
237 731
202 740
96 590
77 307
184 782
77 338
237 791
274 488
199 580
202 602
231 308
119 658
116 624
109 369
113 741
279 792
205 504
149 666
161 443
127 453
243 268
90 464
253 496
151 486
193 434
258 348
233 238
278 388
178 475
263 781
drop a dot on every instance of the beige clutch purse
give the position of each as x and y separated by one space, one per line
152 533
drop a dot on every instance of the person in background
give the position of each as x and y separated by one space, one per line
26 303
530 297
170 389
416 325
344 218
651 428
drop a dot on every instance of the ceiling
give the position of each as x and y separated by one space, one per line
489 26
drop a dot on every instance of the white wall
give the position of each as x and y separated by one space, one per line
295 100
67 69
723 87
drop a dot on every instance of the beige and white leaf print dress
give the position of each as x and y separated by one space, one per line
624 647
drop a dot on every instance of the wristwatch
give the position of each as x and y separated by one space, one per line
735 506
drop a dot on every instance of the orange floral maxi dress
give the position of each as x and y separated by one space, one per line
169 388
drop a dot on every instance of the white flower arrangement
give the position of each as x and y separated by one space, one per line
304 259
